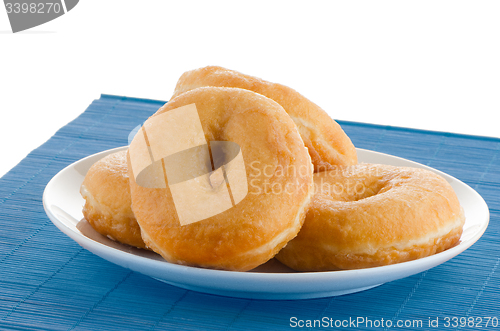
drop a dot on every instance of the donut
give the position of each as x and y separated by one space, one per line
107 208
327 143
184 216
371 215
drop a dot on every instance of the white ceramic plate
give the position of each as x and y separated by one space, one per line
63 204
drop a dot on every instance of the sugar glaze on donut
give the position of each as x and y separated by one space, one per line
371 215
327 143
107 208
254 230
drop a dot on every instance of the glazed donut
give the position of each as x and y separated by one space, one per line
371 215
107 208
325 140
276 179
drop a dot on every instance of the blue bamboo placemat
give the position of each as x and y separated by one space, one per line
48 282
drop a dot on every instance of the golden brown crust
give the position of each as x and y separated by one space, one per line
106 191
327 143
254 230
372 215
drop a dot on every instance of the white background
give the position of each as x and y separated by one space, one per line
423 64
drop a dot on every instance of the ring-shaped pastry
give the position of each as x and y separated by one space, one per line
277 170
371 215
107 208
327 143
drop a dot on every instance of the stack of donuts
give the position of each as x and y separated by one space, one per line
309 203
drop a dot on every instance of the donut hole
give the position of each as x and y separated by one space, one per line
367 193
367 189
351 189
